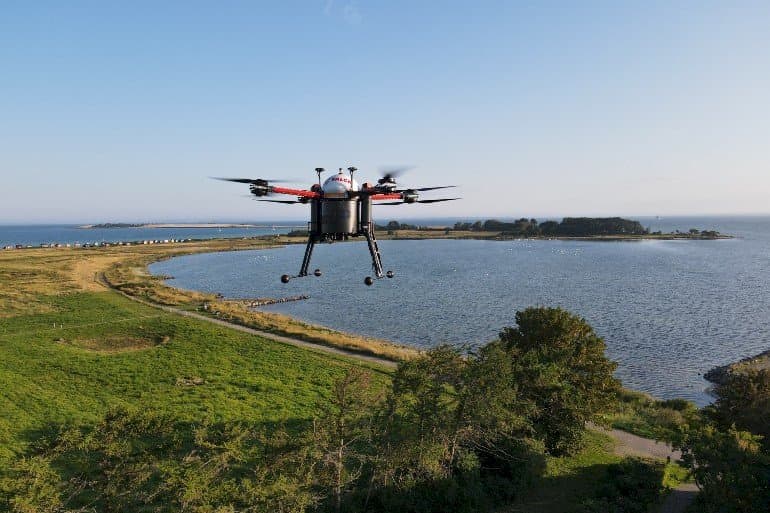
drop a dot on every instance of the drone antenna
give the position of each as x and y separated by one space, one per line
319 170
352 170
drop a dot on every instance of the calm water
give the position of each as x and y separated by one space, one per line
668 310
11 235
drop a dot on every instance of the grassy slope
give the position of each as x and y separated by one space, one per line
51 375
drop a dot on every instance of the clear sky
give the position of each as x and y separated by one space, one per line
119 111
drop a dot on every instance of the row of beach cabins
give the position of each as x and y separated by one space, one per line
95 244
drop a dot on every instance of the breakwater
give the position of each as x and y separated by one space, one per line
257 302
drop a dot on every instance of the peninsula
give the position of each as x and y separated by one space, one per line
582 228
183 225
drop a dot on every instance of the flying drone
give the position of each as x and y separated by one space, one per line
340 209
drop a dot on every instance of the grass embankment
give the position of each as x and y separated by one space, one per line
129 275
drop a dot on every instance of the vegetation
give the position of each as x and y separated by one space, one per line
602 228
727 446
646 416
560 368
568 227
576 227
632 486
110 404
448 433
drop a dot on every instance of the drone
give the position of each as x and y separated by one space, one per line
340 208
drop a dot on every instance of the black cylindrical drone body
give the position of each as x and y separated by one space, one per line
339 216
366 212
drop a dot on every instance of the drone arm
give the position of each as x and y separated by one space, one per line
393 196
294 192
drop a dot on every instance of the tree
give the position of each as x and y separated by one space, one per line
458 437
744 400
343 433
560 367
730 468
549 227
727 448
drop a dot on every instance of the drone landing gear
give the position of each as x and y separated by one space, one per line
306 259
374 251
311 241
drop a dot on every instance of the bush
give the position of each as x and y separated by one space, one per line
632 486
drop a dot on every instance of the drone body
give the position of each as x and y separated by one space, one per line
341 208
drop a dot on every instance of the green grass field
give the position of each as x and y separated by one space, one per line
93 351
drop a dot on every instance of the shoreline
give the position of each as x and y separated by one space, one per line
718 375
132 278
108 226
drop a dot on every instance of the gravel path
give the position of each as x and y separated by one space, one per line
633 445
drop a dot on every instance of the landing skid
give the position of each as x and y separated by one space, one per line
374 251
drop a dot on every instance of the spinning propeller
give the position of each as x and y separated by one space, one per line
252 181
389 174
418 201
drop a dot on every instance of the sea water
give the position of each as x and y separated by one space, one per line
668 310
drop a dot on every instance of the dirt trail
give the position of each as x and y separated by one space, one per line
628 444
85 272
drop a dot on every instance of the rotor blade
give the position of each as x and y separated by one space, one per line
391 203
394 171
420 189
437 200
288 202
251 180
390 173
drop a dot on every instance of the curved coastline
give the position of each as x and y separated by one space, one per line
133 279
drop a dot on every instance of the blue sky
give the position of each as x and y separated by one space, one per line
119 111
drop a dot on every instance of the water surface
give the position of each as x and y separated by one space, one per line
668 310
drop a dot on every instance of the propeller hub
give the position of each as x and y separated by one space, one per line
259 188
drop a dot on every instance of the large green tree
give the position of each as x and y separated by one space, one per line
559 366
